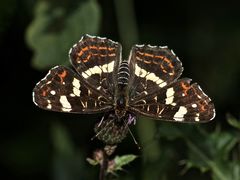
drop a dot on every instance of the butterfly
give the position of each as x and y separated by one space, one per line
101 81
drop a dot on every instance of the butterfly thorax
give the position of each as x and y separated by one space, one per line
122 90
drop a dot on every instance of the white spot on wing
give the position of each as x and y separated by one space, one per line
140 72
169 95
214 114
96 70
152 77
33 96
155 98
72 95
173 53
85 75
163 47
90 36
151 46
139 45
194 105
76 83
66 105
180 113
162 84
76 91
197 117
76 87
49 106
159 81
149 76
88 72
106 68
53 92
66 109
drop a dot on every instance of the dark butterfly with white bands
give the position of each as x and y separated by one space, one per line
146 84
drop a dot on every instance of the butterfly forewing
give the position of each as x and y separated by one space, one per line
153 68
96 60
62 90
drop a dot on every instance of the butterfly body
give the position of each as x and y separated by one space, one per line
122 91
146 84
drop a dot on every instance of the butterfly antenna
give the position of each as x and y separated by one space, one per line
96 135
99 124
134 140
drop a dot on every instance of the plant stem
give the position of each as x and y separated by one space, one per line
103 167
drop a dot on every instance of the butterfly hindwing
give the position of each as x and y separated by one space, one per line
179 101
62 90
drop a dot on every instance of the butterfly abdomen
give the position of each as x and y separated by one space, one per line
121 95
123 73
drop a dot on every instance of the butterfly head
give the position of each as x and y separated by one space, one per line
120 108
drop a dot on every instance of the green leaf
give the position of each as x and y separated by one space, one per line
53 31
211 153
92 161
233 121
120 161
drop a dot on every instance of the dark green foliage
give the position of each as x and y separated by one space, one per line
216 152
53 31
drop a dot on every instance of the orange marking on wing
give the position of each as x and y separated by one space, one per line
202 107
105 55
140 53
62 75
147 62
185 88
169 62
88 57
163 69
159 57
149 55
166 60
101 48
82 51
111 55
106 48
44 93
93 47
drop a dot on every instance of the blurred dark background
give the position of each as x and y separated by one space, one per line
36 35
